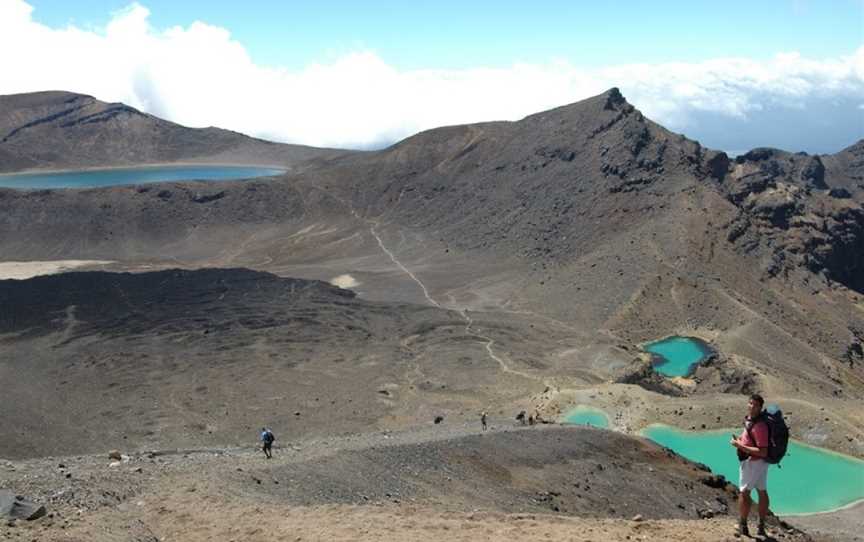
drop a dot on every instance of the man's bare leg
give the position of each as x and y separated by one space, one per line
763 510
744 502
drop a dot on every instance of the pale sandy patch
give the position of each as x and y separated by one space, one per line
344 281
684 383
26 270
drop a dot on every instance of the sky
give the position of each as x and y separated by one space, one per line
733 75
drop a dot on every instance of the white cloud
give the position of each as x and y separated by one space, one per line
199 76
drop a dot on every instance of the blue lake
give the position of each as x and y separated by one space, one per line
678 355
809 480
132 175
585 415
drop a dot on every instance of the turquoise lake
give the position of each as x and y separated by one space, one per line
810 480
679 355
585 415
133 175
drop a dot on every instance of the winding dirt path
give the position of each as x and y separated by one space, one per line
463 312
400 265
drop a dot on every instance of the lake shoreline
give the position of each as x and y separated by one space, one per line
41 171
133 176
665 357
728 430
826 476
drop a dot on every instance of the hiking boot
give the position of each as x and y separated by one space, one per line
761 530
742 529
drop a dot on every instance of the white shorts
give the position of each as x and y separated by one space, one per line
753 475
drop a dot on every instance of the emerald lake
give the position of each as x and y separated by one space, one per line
678 355
585 415
132 175
811 479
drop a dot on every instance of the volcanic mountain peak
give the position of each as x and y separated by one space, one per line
610 100
614 96
577 116
57 109
65 130
602 131
43 98
583 120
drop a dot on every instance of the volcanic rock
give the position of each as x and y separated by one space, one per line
17 507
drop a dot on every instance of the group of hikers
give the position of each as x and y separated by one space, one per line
761 443
522 417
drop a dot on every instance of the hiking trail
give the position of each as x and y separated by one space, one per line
463 312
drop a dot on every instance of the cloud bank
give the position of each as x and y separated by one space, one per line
199 76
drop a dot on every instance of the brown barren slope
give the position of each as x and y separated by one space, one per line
499 266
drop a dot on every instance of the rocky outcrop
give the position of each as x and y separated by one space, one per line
717 374
844 171
787 209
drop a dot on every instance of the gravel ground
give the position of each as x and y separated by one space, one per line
424 484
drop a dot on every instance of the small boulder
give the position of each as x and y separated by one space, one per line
17 507
705 513
637 517
115 455
717 481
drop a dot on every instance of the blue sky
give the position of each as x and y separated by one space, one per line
733 75
451 34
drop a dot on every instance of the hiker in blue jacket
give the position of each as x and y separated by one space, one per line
267 438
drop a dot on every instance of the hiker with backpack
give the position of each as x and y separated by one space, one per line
762 443
267 437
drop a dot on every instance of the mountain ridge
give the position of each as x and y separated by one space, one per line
65 130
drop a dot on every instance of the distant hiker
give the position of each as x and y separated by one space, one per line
483 419
530 420
752 446
537 417
521 417
267 438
